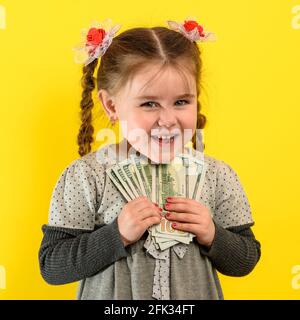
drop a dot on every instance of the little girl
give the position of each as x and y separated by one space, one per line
149 80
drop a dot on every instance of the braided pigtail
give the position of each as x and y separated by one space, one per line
85 135
201 121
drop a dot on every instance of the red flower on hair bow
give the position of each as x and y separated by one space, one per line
191 25
96 41
192 30
95 36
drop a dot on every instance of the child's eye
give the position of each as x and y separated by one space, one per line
150 102
146 104
186 102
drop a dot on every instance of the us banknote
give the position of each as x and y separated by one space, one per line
182 177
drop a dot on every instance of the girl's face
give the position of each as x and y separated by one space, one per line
160 118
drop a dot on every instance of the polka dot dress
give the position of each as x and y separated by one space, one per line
84 196
161 280
73 203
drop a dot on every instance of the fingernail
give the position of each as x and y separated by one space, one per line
173 224
167 205
168 215
160 209
156 204
169 198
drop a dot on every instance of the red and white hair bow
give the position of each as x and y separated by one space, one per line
96 41
192 30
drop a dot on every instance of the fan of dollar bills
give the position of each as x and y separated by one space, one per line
181 177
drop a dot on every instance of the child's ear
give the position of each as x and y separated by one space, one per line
108 103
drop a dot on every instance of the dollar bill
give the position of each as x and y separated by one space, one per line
117 183
138 166
128 170
195 173
163 246
182 177
123 180
170 181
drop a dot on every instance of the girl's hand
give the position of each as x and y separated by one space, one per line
191 216
136 217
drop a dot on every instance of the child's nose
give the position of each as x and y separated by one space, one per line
167 118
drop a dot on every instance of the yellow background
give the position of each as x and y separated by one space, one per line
251 99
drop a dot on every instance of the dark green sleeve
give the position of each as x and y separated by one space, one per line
68 255
234 251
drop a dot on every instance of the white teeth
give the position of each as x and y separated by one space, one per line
163 137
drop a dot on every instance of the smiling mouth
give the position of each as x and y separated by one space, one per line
164 140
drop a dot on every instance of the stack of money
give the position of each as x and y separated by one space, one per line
182 177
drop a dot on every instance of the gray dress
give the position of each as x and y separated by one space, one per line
84 197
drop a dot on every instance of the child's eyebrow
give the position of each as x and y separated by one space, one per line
185 95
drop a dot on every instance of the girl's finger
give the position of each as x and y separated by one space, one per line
184 200
147 213
188 227
183 207
179 199
150 221
183 217
146 203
